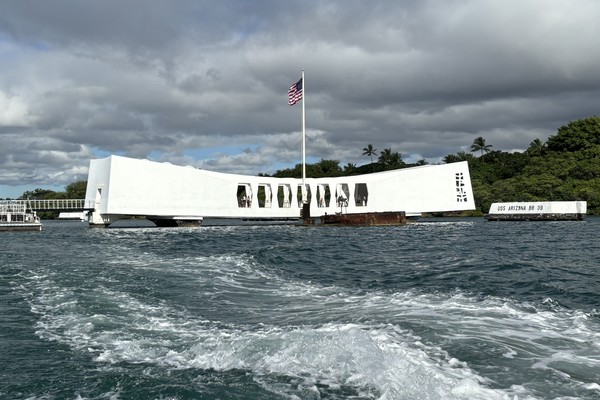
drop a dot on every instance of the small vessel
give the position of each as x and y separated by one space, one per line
538 211
17 215
73 216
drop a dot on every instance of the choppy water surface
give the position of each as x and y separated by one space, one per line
443 309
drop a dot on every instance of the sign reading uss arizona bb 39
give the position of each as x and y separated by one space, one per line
540 207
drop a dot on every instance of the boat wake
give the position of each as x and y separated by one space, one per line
300 339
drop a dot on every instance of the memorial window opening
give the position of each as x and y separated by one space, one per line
323 195
299 195
244 195
342 194
284 196
361 195
264 196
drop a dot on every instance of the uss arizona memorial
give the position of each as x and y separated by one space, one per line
171 195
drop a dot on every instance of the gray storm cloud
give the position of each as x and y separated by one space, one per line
165 80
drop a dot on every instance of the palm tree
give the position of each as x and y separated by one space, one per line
385 157
536 148
460 156
370 151
350 169
464 156
390 159
479 145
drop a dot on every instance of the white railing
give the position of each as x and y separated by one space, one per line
52 205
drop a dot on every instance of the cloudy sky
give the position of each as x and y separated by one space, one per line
204 83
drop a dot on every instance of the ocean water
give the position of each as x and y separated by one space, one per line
438 309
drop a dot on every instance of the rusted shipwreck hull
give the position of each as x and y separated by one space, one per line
365 219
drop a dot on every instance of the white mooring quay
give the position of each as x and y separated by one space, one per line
171 195
538 211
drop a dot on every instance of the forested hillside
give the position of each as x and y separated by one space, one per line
566 167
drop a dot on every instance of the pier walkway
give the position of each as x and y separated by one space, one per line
65 205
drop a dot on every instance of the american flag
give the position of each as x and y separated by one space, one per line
295 93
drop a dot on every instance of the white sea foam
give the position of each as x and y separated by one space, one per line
376 361
375 349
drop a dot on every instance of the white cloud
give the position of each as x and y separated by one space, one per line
13 111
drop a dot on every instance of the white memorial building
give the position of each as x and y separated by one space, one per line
172 195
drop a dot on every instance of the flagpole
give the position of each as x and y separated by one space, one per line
304 194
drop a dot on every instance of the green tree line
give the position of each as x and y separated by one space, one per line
565 168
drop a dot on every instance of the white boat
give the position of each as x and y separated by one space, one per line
73 216
16 215
538 211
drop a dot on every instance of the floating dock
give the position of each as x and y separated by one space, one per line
538 211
